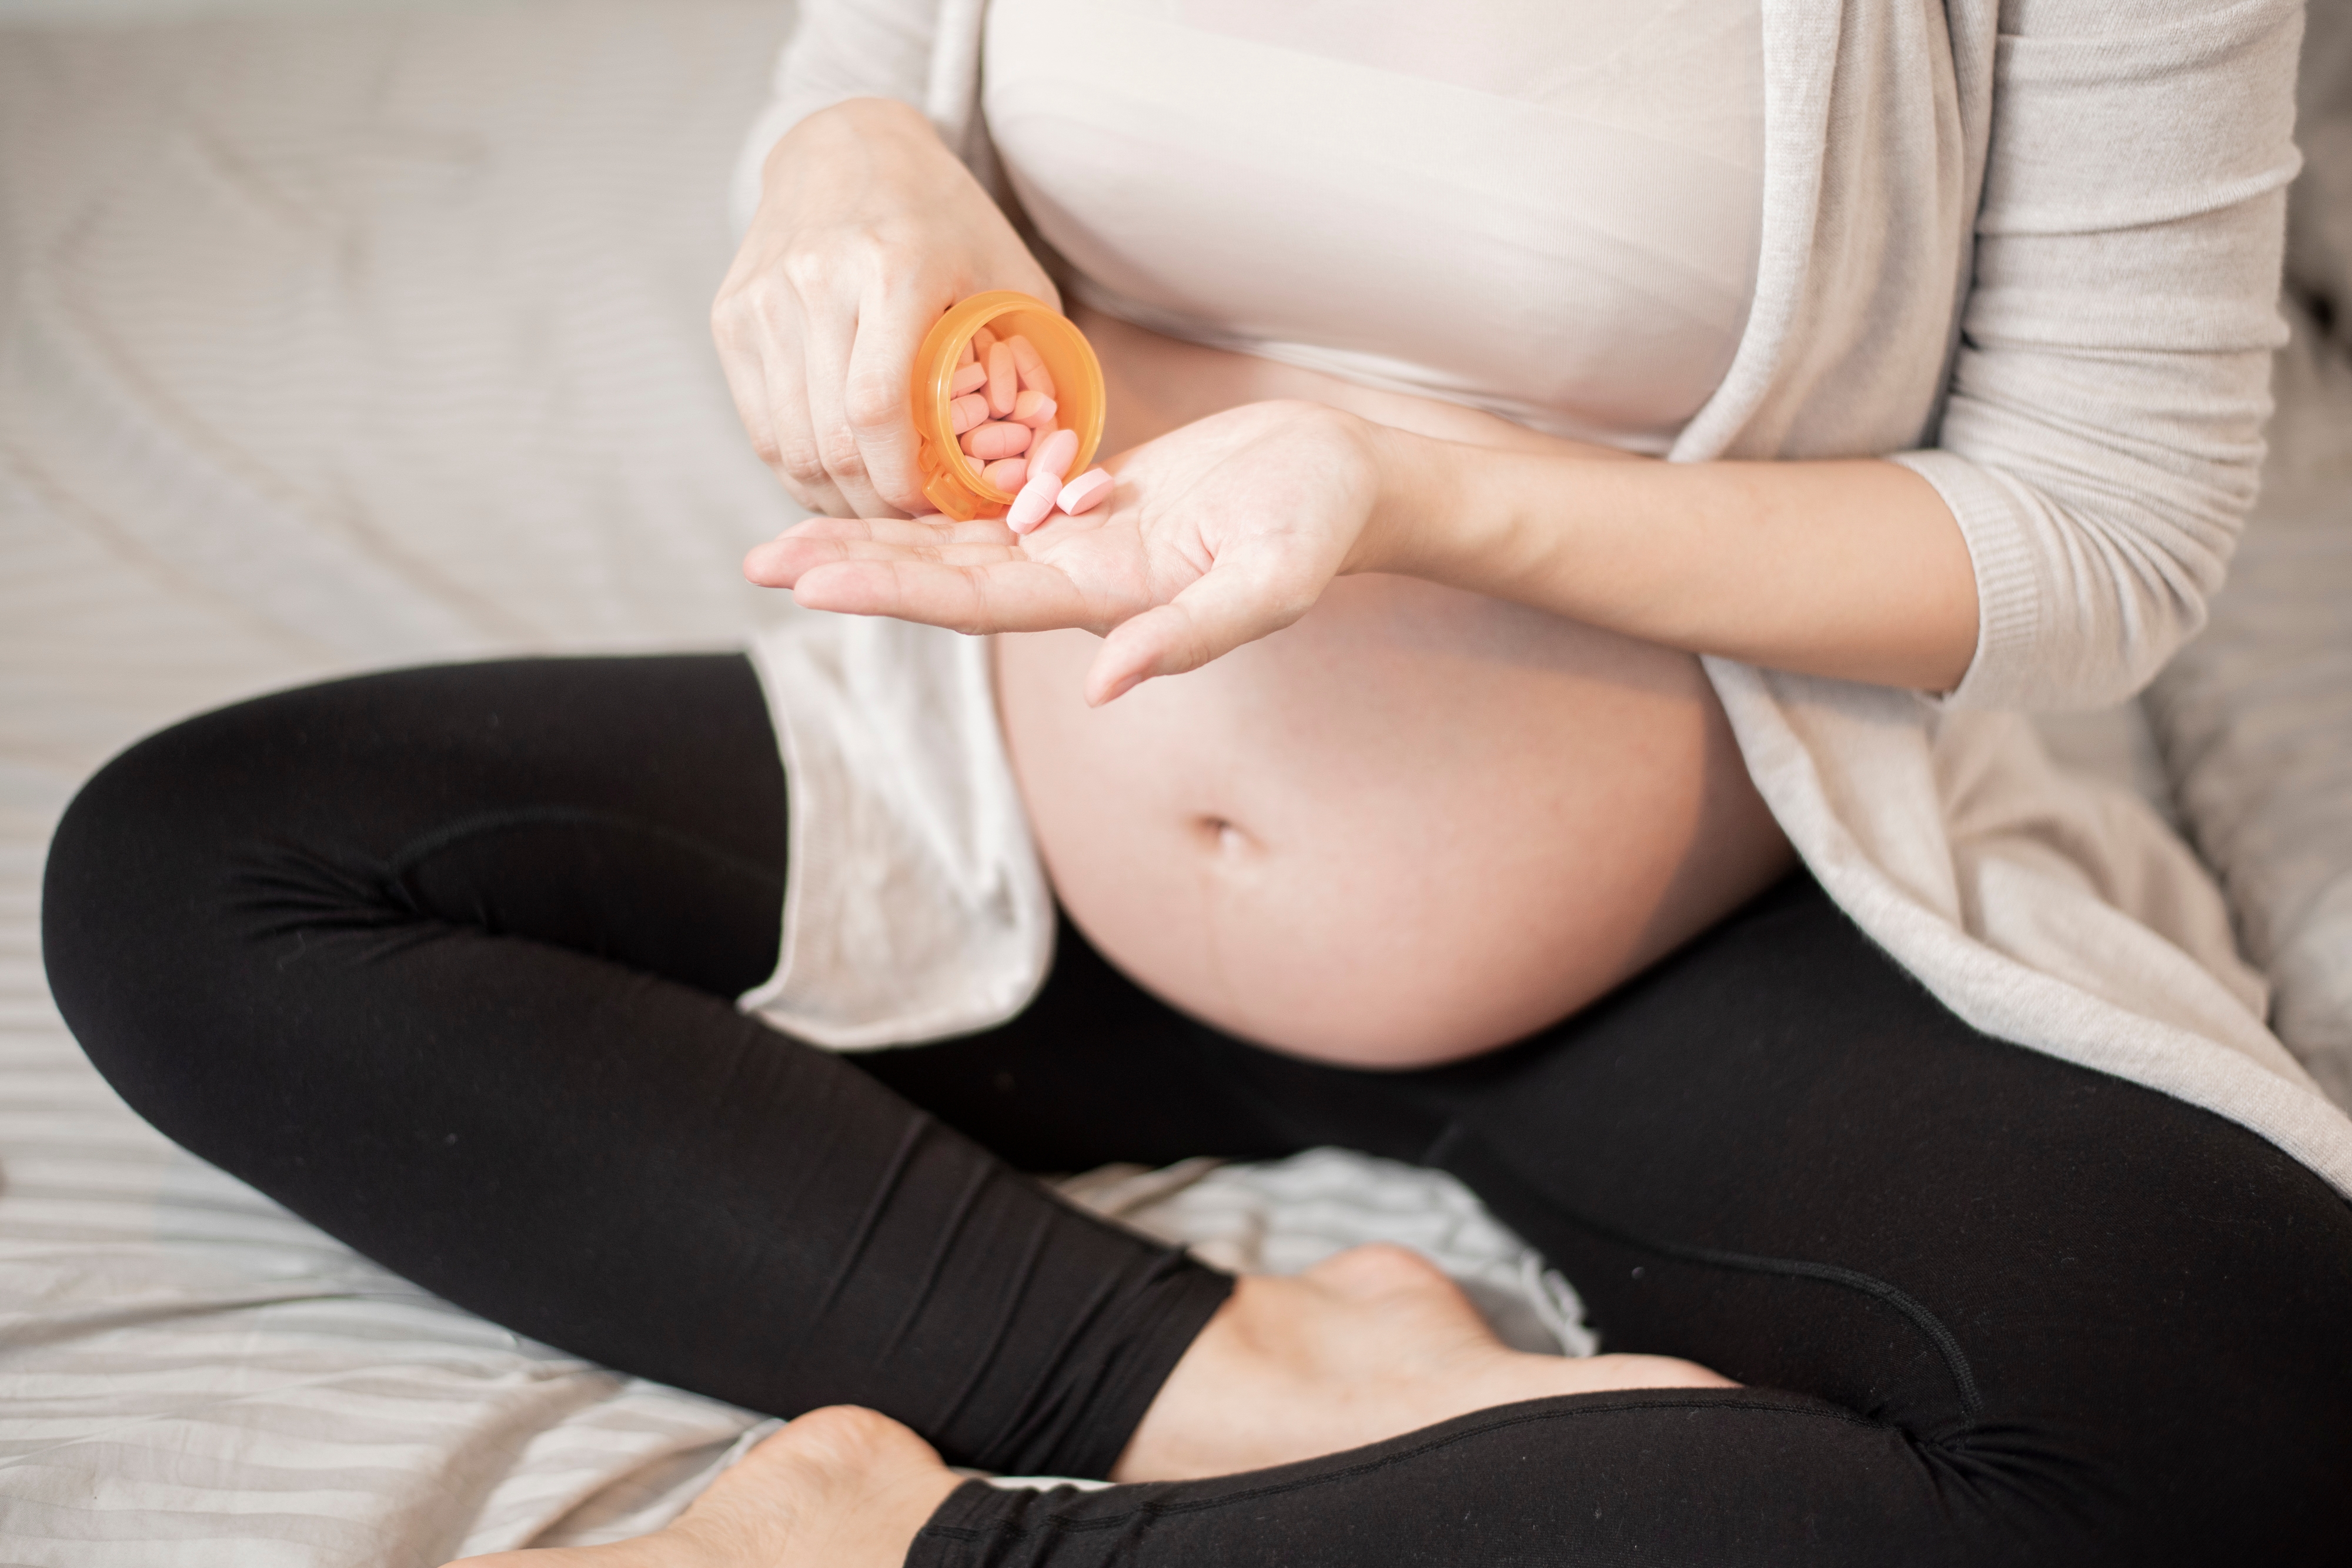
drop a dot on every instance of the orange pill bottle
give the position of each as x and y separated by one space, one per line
952 480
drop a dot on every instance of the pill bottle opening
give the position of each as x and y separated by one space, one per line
953 479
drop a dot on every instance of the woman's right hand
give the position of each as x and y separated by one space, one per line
868 230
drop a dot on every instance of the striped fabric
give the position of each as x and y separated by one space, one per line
327 346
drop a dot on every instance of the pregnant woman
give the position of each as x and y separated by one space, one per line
1404 757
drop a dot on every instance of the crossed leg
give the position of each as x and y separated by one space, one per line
441 960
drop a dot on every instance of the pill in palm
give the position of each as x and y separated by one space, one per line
1053 455
1004 386
1030 365
968 378
1036 502
1087 491
1034 410
966 412
998 438
1006 473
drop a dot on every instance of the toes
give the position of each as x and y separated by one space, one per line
1378 1268
1666 1372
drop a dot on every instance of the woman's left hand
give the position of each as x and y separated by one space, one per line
1218 533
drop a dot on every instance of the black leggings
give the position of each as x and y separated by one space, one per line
442 960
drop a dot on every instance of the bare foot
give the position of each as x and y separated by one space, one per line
838 1487
1368 1344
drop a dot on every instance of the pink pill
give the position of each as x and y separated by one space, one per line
1002 385
983 339
969 379
1053 455
968 356
1036 502
998 438
967 412
1034 410
1030 365
1087 491
1007 473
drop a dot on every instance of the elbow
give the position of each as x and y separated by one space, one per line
2110 598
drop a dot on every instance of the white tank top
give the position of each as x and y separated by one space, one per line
1548 209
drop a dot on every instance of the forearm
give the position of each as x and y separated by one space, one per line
1852 568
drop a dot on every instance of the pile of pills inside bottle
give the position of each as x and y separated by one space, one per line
1002 416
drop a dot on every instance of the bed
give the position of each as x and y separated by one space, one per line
339 342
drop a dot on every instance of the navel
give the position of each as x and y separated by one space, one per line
1224 836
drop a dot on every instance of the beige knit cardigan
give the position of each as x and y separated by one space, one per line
2030 250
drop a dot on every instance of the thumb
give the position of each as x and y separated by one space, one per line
1230 604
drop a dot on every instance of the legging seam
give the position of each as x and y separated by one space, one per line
1947 1344
1368 1466
425 845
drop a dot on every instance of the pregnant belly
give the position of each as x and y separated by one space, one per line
1415 826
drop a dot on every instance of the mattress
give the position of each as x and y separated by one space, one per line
333 344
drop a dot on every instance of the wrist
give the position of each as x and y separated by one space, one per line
874 116
1413 476
1492 519
855 143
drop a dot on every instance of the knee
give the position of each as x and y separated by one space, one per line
133 902
113 858
2190 1394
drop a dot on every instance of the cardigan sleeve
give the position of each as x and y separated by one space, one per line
2101 435
843 49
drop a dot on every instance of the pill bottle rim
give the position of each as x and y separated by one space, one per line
933 391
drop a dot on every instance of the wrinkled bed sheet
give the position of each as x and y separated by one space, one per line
327 346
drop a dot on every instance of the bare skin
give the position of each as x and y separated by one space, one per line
1408 824
1414 825
1371 1343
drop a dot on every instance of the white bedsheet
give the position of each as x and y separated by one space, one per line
327 346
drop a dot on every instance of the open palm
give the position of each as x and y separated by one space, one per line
1218 533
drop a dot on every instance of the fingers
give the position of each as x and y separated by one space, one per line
1008 593
875 391
971 576
829 335
859 358
822 542
754 324
745 367
746 324
819 376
